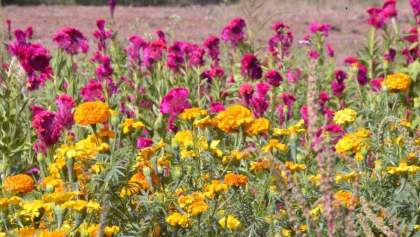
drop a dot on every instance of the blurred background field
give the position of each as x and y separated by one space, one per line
194 20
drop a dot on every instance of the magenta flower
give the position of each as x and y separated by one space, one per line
376 17
153 52
194 55
92 91
250 67
259 105
337 87
262 89
216 107
281 41
415 6
362 74
175 101
112 4
316 27
376 84
71 40
135 46
330 50
293 75
389 8
175 58
303 111
104 69
234 31
288 99
212 46
47 128
273 78
246 90
313 54
64 114
101 34
144 142
390 55
340 75
280 114
350 60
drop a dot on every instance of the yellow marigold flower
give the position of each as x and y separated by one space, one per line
397 82
32 209
136 183
403 168
59 197
316 211
293 167
230 222
109 231
237 180
260 165
130 124
20 183
177 219
148 152
349 177
194 203
345 116
215 149
197 208
4 202
273 145
215 187
93 112
205 122
56 233
183 138
26 232
315 179
80 205
235 156
352 142
192 113
286 232
344 198
258 126
233 117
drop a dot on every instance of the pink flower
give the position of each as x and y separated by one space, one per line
175 101
71 40
104 69
246 91
316 27
362 74
303 111
212 46
47 129
259 105
101 34
92 91
376 84
350 60
153 52
112 4
250 67
288 99
293 75
281 41
330 50
340 75
262 89
144 142
194 55
389 8
234 31
415 6
216 107
135 45
313 54
175 58
273 78
376 17
337 87
64 114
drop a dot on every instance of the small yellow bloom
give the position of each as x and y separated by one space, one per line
230 222
192 113
345 116
274 145
129 124
178 219
403 168
397 82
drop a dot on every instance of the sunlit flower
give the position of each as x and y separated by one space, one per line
403 168
345 198
178 219
230 222
130 124
21 183
258 126
233 117
192 113
345 116
397 82
274 145
90 113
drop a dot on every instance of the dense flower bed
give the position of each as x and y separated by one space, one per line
170 138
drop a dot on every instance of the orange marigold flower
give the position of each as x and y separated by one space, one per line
92 112
21 183
397 82
344 198
237 180
258 126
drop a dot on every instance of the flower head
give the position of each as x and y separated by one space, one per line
230 222
250 67
345 116
234 31
397 82
71 40
90 113
18 184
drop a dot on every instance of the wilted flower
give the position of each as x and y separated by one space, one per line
71 40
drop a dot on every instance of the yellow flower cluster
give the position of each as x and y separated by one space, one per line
397 82
291 131
230 222
274 145
237 180
258 126
403 168
233 117
80 205
90 113
192 113
129 124
215 187
260 165
352 142
194 204
109 231
345 116
178 219
235 157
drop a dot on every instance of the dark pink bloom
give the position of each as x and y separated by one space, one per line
337 87
29 32
273 78
134 49
328 113
350 60
293 75
389 8
288 99
153 52
250 67
175 58
194 55
316 27
101 34
412 35
376 84
390 55
259 105
71 40
92 91
246 90
64 114
415 6
313 54
304 113
262 89
323 98
112 4
216 107
234 31
217 72
143 142
47 129
333 128
376 17
212 46
281 41
362 74
104 69
175 101
330 50
340 75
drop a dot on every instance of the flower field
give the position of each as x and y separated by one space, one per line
157 137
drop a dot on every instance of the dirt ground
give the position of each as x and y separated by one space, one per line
194 23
